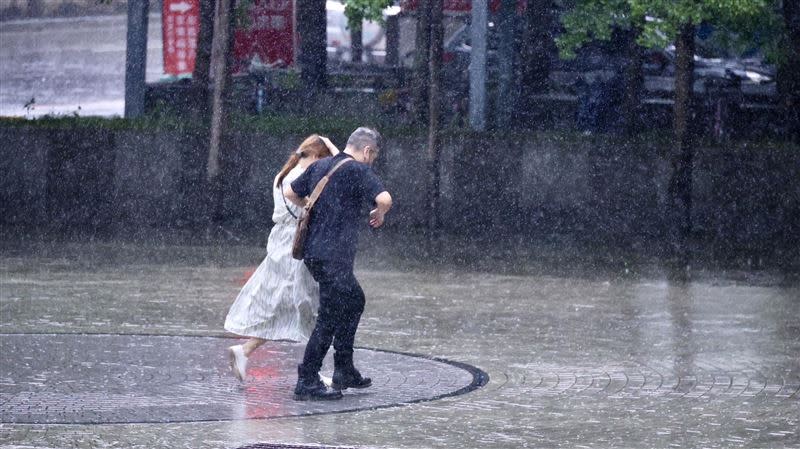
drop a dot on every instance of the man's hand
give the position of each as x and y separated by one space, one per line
376 218
383 203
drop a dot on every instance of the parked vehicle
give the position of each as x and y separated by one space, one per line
599 60
752 75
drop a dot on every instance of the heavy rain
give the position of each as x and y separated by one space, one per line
575 223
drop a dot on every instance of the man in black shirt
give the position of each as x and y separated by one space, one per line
329 254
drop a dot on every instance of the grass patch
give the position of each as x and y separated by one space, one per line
146 123
291 124
274 124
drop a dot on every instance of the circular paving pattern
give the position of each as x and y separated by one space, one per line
83 379
668 380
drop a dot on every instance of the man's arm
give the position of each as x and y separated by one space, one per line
383 202
293 197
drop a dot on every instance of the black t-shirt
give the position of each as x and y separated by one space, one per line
339 211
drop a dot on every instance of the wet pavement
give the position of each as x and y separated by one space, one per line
69 66
575 357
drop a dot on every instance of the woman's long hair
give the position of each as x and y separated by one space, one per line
312 146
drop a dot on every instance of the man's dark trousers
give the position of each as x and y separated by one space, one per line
341 302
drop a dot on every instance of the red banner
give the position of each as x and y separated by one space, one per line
180 27
269 37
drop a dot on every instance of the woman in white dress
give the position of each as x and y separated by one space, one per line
280 300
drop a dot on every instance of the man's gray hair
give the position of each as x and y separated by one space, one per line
364 136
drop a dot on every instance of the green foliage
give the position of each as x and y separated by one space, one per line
358 10
763 28
749 22
592 20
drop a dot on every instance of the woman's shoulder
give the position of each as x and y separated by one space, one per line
293 174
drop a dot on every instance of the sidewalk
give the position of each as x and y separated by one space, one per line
574 357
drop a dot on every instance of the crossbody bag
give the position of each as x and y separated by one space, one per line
302 223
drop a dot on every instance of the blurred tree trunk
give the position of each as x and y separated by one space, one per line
634 82
312 34
356 42
202 61
538 48
205 37
505 102
136 58
35 8
434 108
789 71
392 41
221 59
680 186
421 58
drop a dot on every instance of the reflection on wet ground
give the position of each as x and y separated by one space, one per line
586 353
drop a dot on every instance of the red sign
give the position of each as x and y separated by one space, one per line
269 37
180 27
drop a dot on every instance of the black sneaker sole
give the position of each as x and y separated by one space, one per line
311 397
345 387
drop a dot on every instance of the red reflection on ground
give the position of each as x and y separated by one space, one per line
259 397
245 277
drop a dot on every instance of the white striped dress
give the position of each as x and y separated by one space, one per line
280 300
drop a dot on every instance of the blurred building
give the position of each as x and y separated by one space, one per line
28 9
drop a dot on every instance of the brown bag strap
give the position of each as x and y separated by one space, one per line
321 185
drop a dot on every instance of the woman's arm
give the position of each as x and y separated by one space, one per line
293 197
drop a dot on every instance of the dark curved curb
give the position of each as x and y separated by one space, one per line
479 379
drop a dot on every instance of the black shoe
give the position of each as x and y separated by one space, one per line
314 390
344 379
